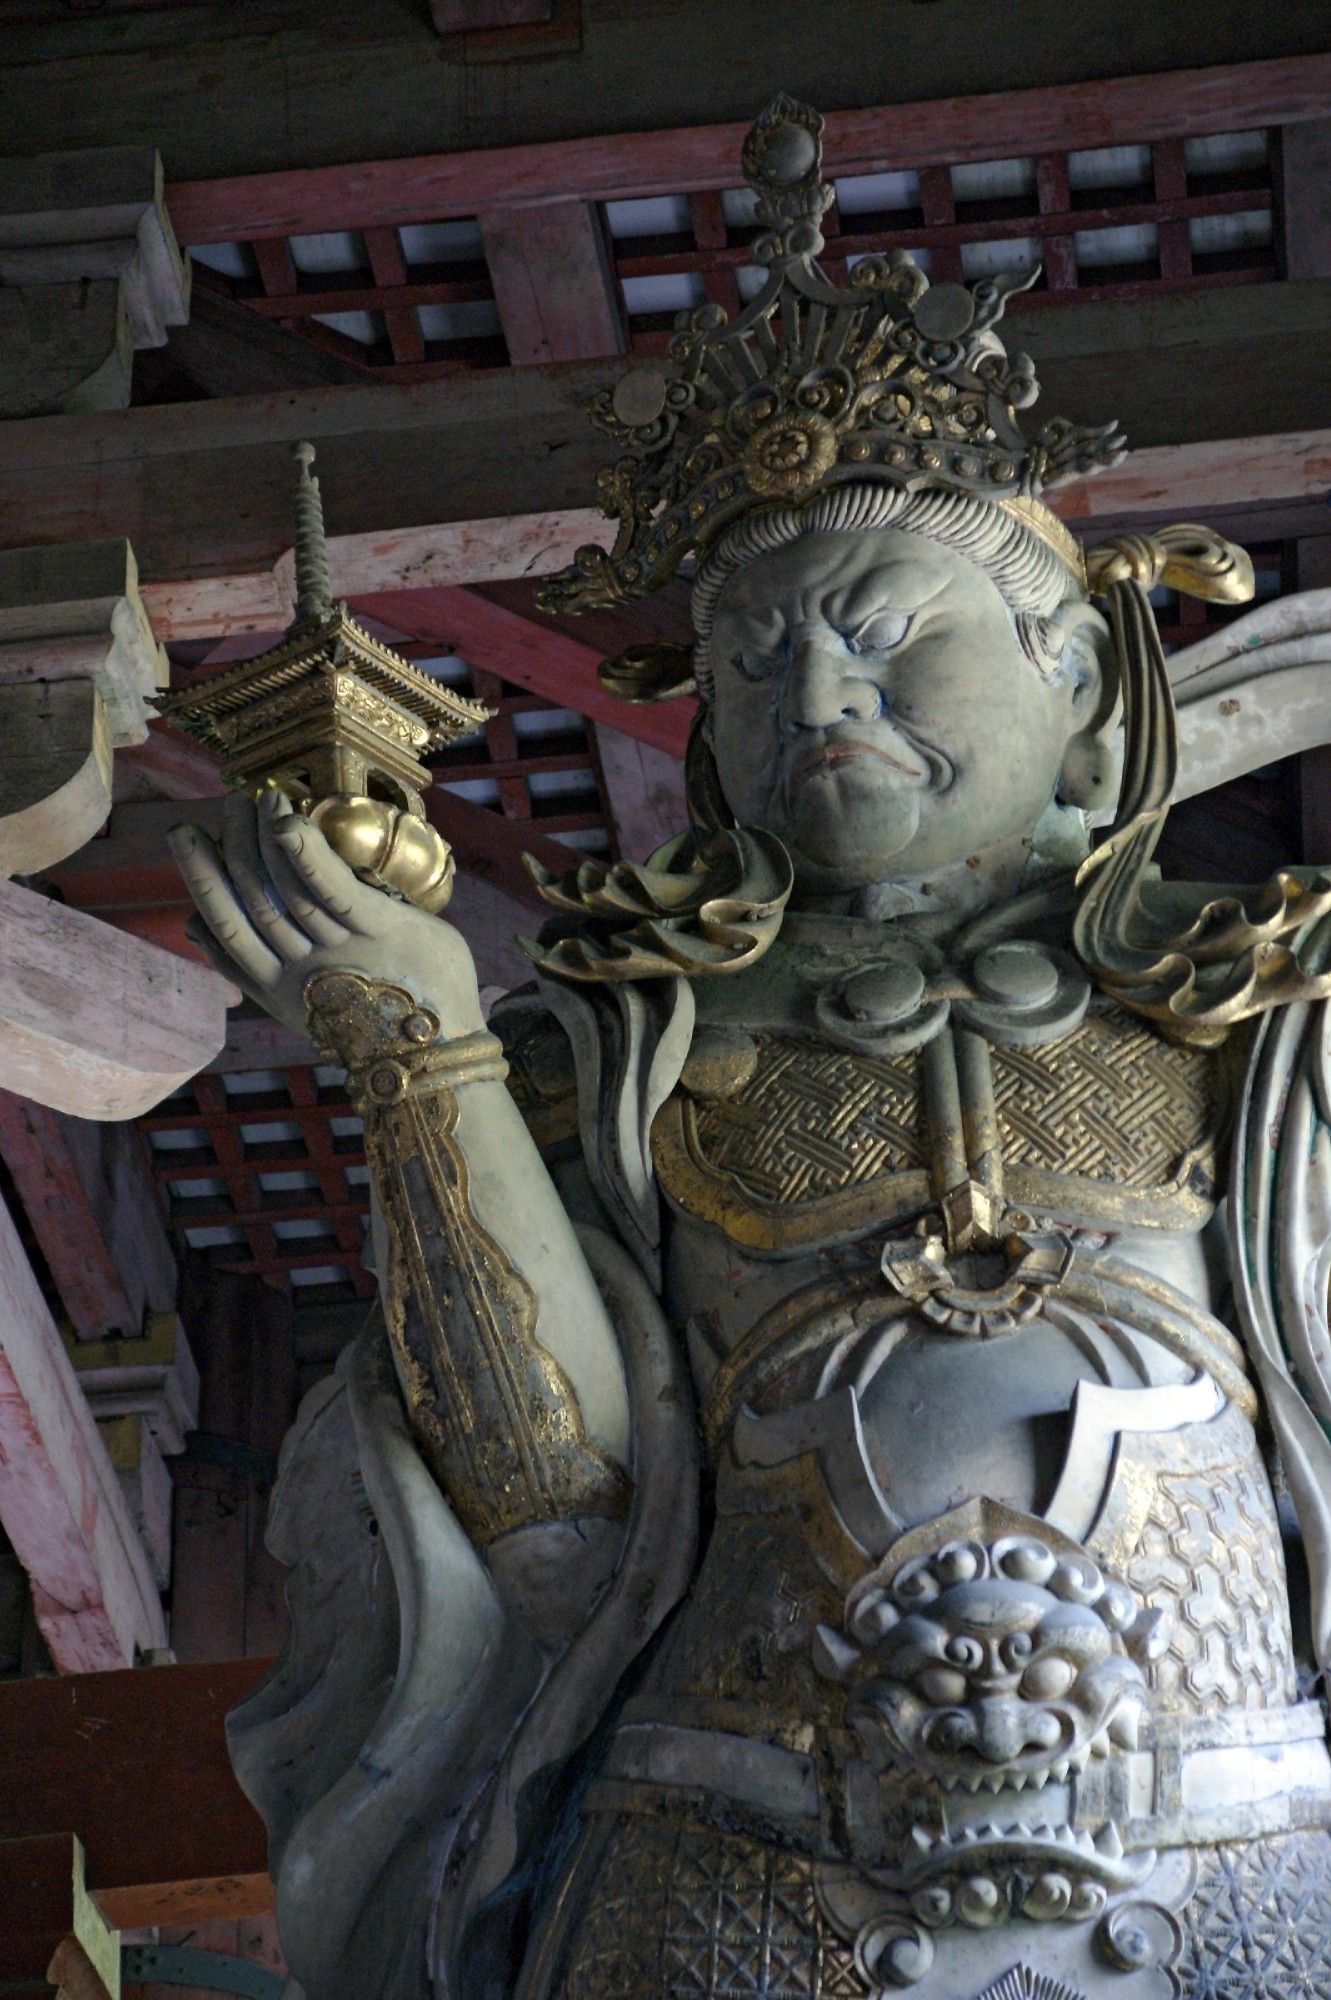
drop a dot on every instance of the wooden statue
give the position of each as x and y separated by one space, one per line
803 1523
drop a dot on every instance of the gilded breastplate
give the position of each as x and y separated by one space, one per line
800 1142
992 1631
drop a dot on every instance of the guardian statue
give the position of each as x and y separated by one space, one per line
836 1498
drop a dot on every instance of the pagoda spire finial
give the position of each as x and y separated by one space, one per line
314 592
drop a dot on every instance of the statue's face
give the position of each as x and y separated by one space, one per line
874 707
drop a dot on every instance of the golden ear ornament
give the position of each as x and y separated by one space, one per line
652 672
1240 955
1186 557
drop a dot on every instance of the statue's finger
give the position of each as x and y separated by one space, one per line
318 923
247 867
217 903
326 875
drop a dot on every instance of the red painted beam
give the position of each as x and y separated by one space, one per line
490 846
61 1505
465 17
168 764
45 1922
553 282
63 1220
537 657
1225 98
135 1763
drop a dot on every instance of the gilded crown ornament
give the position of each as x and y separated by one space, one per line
885 379
338 721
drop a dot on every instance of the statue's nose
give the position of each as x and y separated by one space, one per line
1007 1728
823 689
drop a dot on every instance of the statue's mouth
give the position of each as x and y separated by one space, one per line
920 766
1095 1855
1008 1780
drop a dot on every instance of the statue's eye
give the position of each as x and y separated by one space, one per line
1048 1678
879 634
753 666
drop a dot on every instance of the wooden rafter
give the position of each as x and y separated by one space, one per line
135 1763
1176 104
536 656
553 282
490 474
558 279
34 1146
60 1504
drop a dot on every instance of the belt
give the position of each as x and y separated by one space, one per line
1198 1781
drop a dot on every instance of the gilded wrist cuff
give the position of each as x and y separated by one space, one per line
389 1043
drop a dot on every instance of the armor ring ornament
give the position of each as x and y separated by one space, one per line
1024 995
980 1296
885 1007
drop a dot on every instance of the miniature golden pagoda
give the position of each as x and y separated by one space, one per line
340 722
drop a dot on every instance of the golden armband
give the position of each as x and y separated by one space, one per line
493 1412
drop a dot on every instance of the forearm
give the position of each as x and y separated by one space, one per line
508 1360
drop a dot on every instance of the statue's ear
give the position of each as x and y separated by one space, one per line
1089 771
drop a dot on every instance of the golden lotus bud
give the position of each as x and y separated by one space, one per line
389 847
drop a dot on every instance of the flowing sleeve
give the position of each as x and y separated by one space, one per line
1280 1229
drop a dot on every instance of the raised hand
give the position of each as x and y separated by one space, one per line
277 905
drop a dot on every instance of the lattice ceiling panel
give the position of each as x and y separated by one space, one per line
1125 221
265 1171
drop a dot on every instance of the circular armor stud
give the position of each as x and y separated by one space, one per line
639 397
1016 975
944 312
883 1008
1024 994
790 153
883 993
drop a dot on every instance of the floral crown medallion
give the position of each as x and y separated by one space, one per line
886 378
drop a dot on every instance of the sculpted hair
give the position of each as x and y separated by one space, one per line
1032 579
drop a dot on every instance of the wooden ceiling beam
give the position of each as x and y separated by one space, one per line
1173 104
645 788
1303 175
553 282
167 764
60 1501
227 349
135 1763
61 1216
546 661
488 847
1255 488
93 1022
489 475
304 83
90 1201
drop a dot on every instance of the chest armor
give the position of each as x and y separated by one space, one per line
798 1142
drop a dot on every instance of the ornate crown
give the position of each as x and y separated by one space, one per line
887 378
